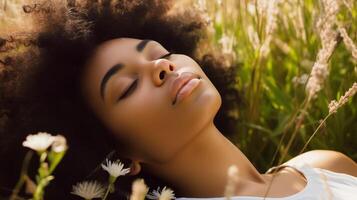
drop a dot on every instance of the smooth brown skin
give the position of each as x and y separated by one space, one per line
180 143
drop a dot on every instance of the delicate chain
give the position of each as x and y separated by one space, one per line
270 183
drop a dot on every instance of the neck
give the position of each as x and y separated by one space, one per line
200 169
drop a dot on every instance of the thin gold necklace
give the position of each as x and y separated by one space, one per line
270 183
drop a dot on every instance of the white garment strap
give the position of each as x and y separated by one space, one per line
277 168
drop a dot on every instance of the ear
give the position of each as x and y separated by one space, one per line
135 168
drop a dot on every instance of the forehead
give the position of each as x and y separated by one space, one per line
123 50
111 50
109 53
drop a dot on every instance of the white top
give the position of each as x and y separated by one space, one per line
321 184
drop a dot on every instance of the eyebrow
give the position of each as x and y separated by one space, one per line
107 76
141 45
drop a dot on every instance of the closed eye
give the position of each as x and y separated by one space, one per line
166 55
130 89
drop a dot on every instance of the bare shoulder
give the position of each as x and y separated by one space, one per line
327 159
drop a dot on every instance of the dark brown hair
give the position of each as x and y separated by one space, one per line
39 88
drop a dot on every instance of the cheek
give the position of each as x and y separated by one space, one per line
146 114
149 128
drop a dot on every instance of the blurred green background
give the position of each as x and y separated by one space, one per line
275 45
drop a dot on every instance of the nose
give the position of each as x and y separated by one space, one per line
161 70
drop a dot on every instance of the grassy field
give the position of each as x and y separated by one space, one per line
297 74
294 58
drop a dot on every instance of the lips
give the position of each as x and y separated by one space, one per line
179 82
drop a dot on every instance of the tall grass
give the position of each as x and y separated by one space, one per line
297 65
294 58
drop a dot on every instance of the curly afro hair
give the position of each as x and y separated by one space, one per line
39 73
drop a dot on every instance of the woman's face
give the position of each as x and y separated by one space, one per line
137 90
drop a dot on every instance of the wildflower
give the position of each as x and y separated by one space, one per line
165 194
115 168
232 181
334 105
59 144
88 189
139 190
39 142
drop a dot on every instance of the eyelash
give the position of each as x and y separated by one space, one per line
166 55
130 89
135 83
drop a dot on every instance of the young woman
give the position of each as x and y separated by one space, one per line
124 75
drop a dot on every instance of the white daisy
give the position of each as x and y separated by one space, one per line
115 168
165 194
88 190
38 142
59 144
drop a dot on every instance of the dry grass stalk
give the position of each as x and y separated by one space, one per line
271 24
283 46
262 6
328 37
334 105
299 23
330 10
227 43
253 37
348 42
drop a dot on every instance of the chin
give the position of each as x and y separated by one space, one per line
194 114
202 113
208 101
202 109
